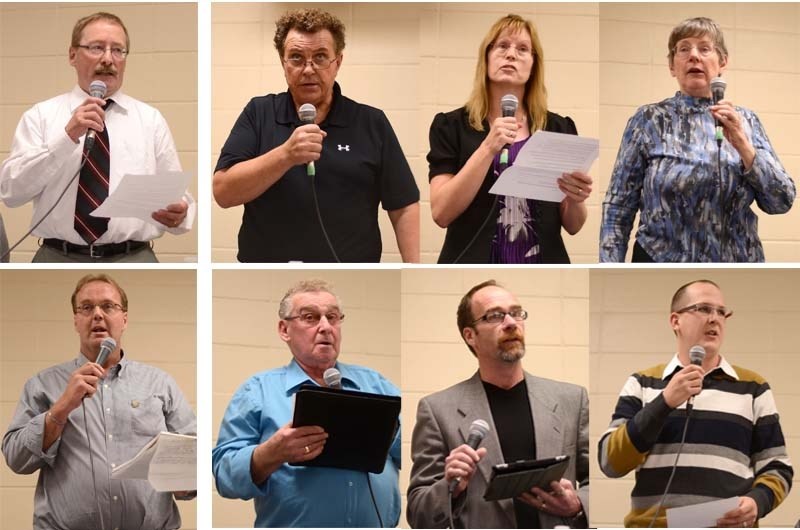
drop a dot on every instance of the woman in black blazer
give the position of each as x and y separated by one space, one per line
467 154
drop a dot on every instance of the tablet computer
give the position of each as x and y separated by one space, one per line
514 478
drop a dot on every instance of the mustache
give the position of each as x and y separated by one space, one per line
513 336
106 70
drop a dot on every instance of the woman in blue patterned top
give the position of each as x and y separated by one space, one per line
693 196
465 160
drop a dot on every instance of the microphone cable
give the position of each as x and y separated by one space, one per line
674 466
450 506
375 504
319 218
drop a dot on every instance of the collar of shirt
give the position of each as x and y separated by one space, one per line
691 103
286 111
675 365
122 102
296 376
115 370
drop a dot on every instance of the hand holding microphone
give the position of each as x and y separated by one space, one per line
508 108
83 381
462 461
688 382
89 116
305 144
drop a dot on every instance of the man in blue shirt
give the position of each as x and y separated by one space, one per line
257 442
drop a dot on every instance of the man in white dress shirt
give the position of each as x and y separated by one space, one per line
48 148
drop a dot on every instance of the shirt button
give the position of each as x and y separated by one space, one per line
105 386
113 464
110 436
115 497
350 484
108 410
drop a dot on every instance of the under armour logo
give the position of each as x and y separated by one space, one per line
344 147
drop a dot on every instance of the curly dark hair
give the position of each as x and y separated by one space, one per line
308 21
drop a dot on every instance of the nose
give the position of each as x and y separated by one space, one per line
323 323
308 68
509 322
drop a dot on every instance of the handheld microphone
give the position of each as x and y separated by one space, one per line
307 113
508 106
477 432
97 89
332 378
718 86
696 355
106 347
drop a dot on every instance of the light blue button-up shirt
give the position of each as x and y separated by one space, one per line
296 496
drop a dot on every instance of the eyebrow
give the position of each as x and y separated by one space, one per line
317 308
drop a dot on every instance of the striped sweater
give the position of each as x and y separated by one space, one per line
734 444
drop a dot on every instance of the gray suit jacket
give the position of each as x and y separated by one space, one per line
561 427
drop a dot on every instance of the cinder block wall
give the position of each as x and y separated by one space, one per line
630 331
161 71
245 330
434 357
762 75
37 331
411 60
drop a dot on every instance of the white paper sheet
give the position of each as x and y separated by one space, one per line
140 195
541 161
168 461
703 515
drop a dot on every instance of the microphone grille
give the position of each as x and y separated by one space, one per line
509 102
697 354
108 342
332 378
307 113
718 83
479 428
97 89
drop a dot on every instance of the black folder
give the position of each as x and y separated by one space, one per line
361 426
512 479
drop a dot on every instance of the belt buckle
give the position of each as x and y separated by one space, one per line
92 253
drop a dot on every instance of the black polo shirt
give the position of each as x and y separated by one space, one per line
453 141
361 166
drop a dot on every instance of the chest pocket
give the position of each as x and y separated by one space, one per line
147 415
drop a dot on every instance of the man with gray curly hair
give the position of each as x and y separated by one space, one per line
258 450
273 156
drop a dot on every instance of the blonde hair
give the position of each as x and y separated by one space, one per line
535 102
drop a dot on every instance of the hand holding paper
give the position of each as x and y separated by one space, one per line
542 161
140 195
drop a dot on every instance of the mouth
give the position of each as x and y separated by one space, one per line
712 333
99 330
695 71
509 67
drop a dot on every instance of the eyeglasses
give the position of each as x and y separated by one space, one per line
684 49
109 308
319 61
495 317
707 310
98 50
502 47
311 318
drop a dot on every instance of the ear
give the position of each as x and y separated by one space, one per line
723 65
673 321
339 61
469 336
73 56
75 322
283 331
672 67
124 320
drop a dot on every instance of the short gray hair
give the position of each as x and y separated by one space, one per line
698 27
305 286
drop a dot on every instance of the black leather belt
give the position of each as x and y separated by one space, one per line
95 251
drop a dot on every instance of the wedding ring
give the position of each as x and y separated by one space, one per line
307 450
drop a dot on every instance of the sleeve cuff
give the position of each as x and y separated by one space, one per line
35 437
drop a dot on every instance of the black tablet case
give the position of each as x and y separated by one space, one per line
361 426
511 480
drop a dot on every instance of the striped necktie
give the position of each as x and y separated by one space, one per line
93 187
